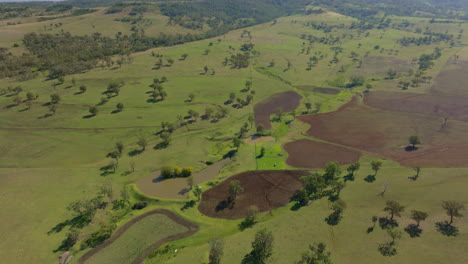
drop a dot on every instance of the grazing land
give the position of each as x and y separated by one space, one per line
147 132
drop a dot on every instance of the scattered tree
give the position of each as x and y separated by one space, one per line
317 255
418 216
235 189
120 107
413 141
93 110
453 209
262 248
142 142
394 208
216 251
376 165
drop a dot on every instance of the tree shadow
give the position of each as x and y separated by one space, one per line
414 178
184 191
248 222
135 152
45 116
370 178
445 228
161 145
188 205
370 229
413 230
385 223
88 116
349 177
79 221
411 148
228 203
116 111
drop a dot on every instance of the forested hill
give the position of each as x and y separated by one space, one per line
424 8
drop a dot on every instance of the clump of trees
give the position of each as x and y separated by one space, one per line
174 171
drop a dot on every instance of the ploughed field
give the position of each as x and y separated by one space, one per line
266 190
305 153
286 101
436 120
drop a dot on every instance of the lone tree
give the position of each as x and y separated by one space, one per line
216 251
453 209
318 254
235 189
262 248
197 191
120 107
394 208
93 110
413 141
142 142
55 99
376 164
353 168
83 88
418 216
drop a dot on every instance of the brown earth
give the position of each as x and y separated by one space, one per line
193 228
453 79
331 91
266 190
386 134
451 107
310 154
287 101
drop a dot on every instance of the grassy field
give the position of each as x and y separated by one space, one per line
136 239
48 162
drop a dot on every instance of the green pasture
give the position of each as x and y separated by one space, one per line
48 162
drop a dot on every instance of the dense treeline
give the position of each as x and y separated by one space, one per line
224 15
367 8
63 53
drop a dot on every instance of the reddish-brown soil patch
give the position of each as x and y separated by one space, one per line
386 134
451 107
286 101
306 153
331 91
266 190
176 218
452 79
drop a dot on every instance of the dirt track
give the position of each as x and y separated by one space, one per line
286 101
310 154
266 190
193 228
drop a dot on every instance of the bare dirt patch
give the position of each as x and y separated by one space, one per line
177 188
386 134
311 154
286 101
452 79
451 107
266 190
176 218
322 90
